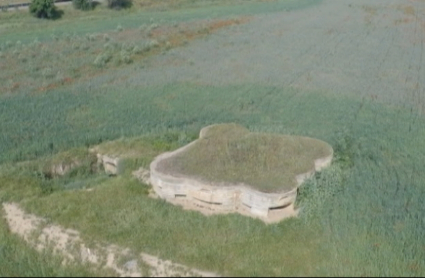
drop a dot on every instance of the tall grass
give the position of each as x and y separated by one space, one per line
362 216
20 26
20 260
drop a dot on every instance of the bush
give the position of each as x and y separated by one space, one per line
118 4
102 59
44 9
84 5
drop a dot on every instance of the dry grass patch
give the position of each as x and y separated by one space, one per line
39 65
408 10
371 10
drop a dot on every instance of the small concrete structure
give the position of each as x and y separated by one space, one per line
242 198
110 164
62 169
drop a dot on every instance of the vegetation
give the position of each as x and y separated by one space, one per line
84 5
44 9
364 177
363 216
231 154
118 4
21 260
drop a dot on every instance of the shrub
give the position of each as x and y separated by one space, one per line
84 5
47 73
135 50
102 59
44 9
54 37
152 44
91 37
118 4
119 28
125 57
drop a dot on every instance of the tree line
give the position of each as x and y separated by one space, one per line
47 9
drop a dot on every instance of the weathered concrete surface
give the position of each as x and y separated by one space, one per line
110 164
62 169
142 175
180 189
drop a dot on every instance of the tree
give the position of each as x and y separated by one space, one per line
44 9
84 5
118 4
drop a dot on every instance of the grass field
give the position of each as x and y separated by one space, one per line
11 2
346 72
20 260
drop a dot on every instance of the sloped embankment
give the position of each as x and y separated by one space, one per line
68 244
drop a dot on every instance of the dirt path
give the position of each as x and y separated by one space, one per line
68 244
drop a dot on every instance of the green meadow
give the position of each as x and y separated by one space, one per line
362 216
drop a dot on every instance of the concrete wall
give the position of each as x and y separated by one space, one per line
223 198
110 164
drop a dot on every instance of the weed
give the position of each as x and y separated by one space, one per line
47 73
76 46
142 28
152 44
102 59
85 46
8 44
54 37
22 58
137 50
106 37
125 56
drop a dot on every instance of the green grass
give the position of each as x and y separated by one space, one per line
358 216
7 2
136 152
230 154
362 216
20 260
24 27
33 51
228 244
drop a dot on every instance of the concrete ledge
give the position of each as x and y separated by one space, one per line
241 198
110 164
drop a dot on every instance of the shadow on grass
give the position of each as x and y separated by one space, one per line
94 4
57 14
119 4
85 5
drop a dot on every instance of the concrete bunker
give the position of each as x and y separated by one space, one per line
225 171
